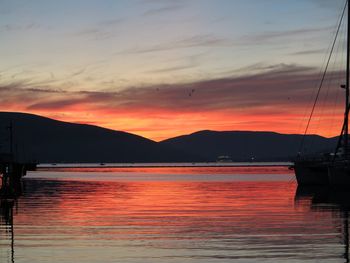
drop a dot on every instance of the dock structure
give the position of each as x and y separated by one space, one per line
12 168
12 172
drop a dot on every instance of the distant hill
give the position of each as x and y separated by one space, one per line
243 145
50 141
47 140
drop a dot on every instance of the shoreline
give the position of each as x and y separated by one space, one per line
161 165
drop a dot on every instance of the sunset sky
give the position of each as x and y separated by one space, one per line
161 68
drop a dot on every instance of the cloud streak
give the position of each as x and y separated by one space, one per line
206 40
269 36
271 89
9 28
162 10
211 40
273 99
308 52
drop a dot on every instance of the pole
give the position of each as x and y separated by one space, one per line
346 120
10 127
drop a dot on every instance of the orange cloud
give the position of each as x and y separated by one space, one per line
276 100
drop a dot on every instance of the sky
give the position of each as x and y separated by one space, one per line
163 68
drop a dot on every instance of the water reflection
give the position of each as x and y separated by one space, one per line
173 221
6 224
325 199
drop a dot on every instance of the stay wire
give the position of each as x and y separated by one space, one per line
333 79
322 79
319 75
336 99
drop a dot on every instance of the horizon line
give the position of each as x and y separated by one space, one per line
157 141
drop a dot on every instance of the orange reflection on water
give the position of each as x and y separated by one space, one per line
244 206
172 221
175 220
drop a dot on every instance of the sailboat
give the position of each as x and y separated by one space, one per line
331 168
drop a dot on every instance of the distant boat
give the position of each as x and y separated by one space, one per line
330 168
224 159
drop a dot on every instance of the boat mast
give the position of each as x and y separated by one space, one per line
346 119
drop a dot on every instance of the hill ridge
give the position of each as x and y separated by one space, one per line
50 140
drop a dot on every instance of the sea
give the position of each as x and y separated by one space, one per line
172 215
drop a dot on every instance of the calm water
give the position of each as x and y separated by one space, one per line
172 215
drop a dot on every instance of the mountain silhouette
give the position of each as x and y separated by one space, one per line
50 141
249 145
47 140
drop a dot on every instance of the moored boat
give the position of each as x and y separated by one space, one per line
332 168
339 173
311 172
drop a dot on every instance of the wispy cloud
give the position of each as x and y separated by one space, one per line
274 99
276 69
111 22
269 36
214 41
165 9
308 52
8 28
328 4
279 86
171 69
94 33
77 73
103 29
53 104
207 40
189 62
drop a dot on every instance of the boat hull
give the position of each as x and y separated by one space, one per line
310 173
339 174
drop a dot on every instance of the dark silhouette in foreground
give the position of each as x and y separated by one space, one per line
6 216
50 141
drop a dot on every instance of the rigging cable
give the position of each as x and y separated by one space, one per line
323 77
333 79
336 99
